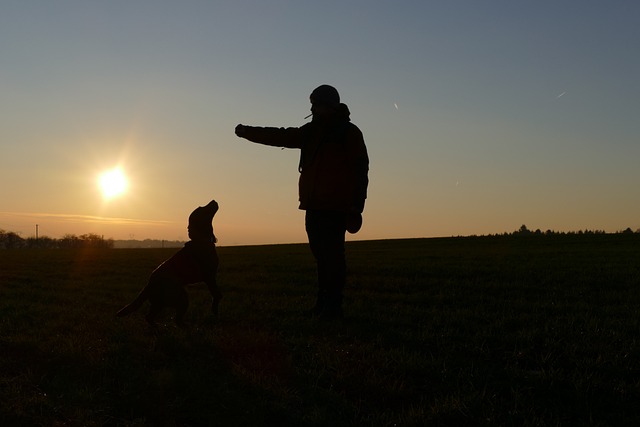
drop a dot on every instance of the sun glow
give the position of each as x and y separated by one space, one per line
113 183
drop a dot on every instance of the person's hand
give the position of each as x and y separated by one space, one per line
353 221
240 130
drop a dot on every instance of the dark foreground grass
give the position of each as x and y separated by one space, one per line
467 331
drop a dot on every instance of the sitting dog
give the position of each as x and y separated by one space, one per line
196 262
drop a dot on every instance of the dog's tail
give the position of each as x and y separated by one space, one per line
134 305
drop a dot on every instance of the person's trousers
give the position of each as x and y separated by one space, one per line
326 233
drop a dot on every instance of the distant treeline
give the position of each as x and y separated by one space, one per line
524 231
11 240
148 243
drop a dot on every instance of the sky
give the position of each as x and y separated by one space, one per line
479 116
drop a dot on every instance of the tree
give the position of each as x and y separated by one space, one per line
10 240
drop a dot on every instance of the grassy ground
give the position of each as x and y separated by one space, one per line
467 331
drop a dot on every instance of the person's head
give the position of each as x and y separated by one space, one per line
325 101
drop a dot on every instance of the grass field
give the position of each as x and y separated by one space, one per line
516 331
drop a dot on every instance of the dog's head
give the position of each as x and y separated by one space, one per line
213 206
200 222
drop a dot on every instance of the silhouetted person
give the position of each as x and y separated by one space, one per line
333 168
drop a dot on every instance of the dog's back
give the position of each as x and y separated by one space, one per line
177 271
194 263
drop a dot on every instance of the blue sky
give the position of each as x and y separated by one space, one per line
478 116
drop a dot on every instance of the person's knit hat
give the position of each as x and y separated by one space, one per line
325 95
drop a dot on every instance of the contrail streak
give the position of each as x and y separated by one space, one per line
84 218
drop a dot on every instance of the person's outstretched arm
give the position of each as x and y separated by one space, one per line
276 137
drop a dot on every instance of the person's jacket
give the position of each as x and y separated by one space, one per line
334 164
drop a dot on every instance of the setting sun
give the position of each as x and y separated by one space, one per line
113 183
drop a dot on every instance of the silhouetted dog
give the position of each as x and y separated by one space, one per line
196 262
